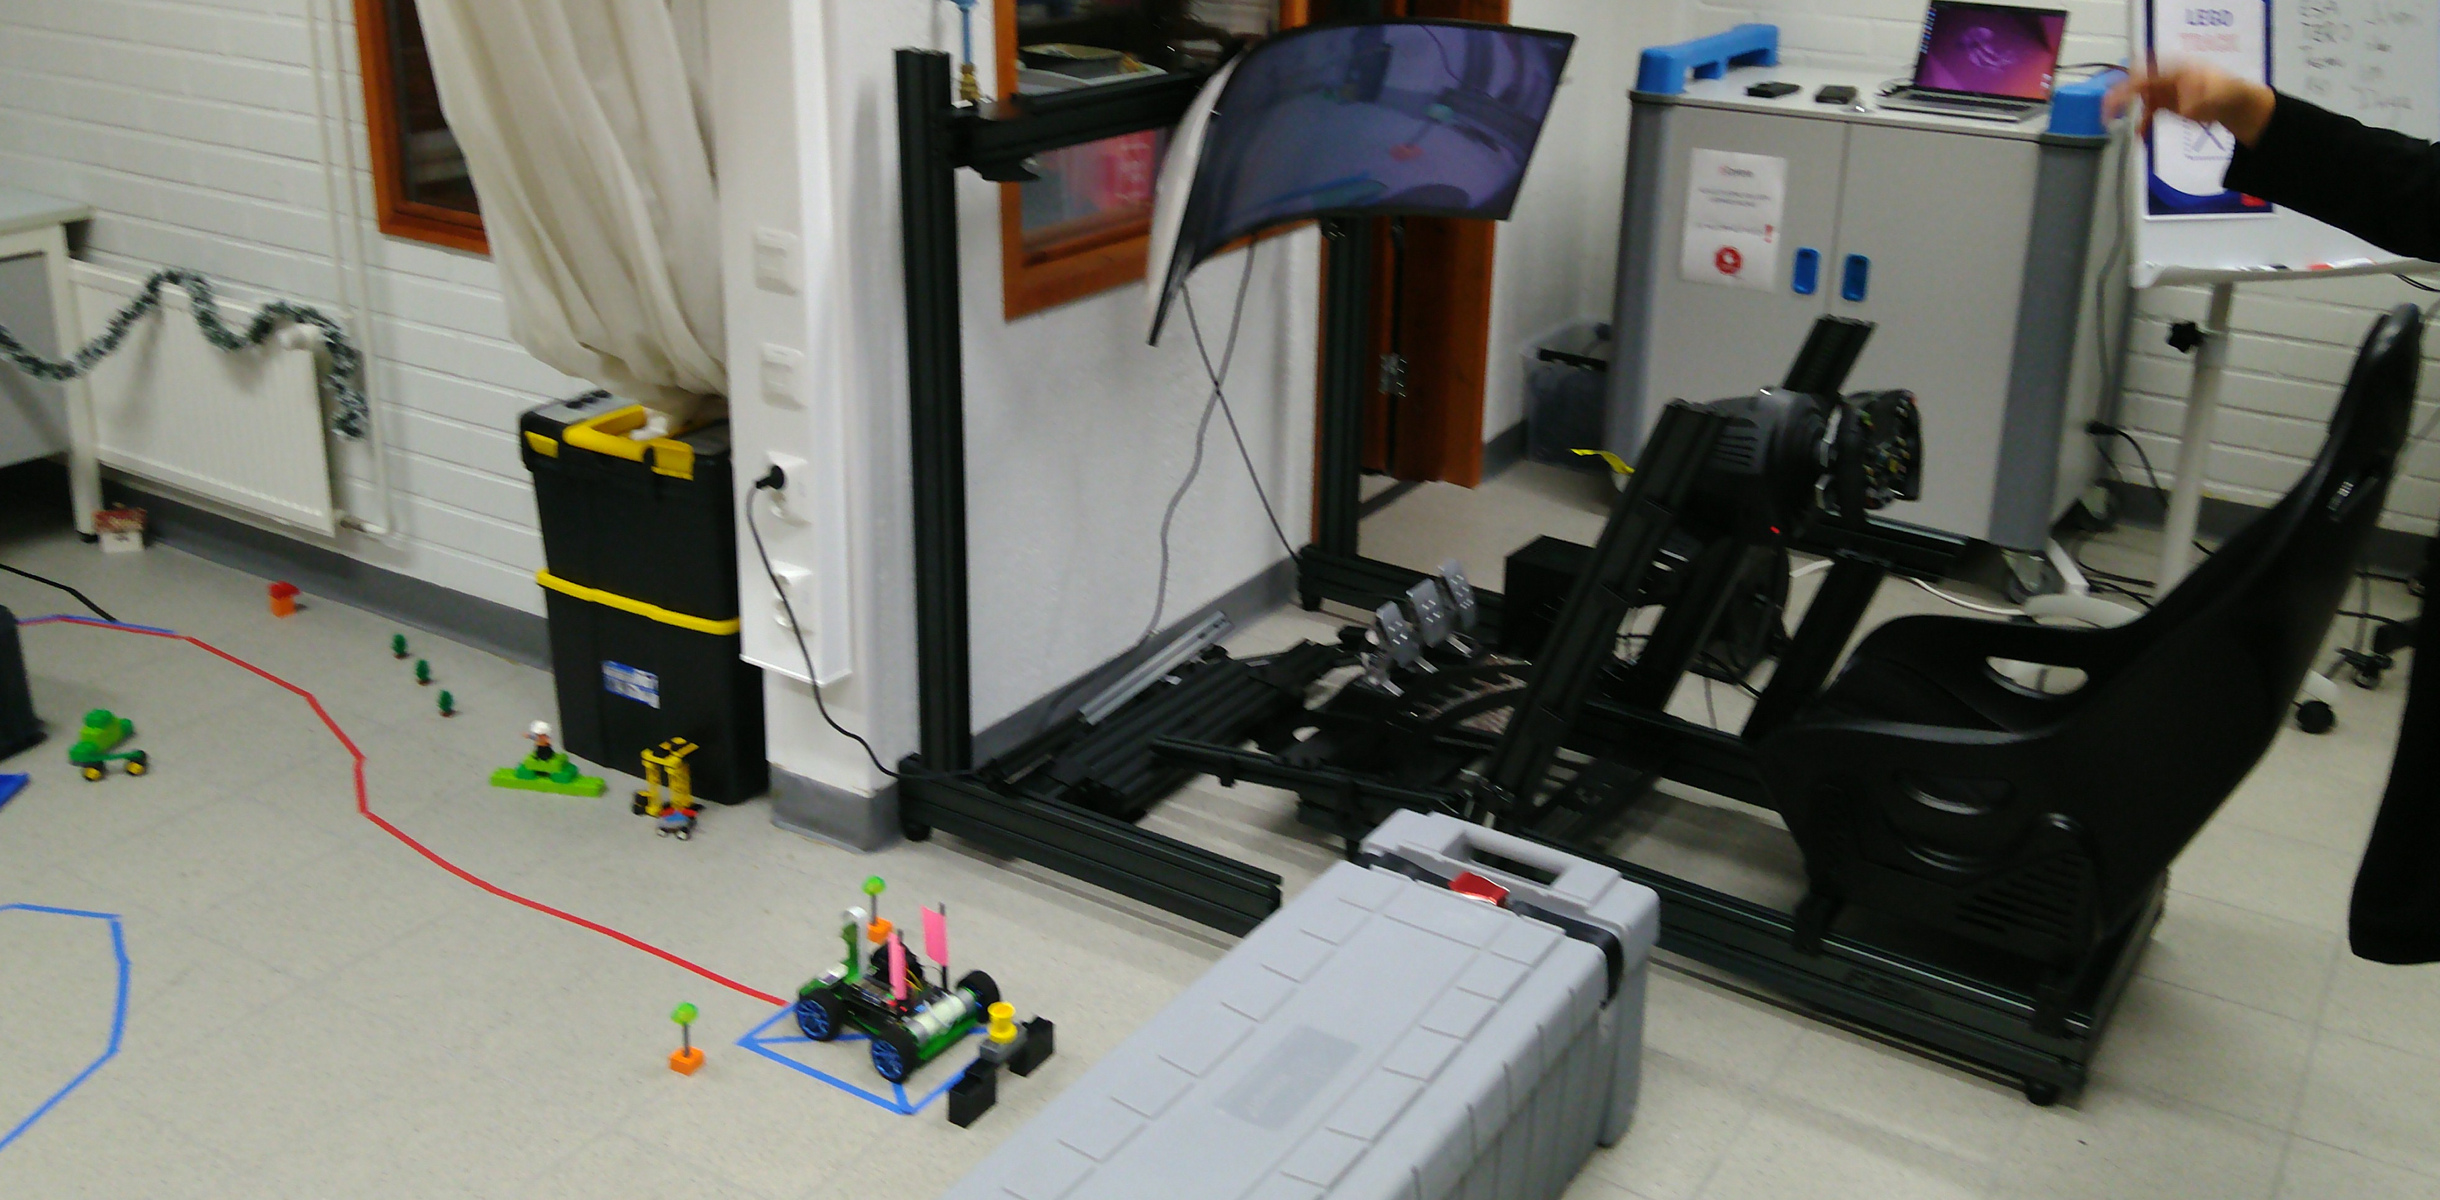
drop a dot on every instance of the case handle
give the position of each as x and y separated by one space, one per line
607 435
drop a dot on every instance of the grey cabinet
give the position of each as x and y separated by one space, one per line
1967 242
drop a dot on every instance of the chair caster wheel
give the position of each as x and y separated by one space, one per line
2041 1092
2316 717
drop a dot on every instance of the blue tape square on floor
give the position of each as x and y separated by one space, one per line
118 1016
770 1045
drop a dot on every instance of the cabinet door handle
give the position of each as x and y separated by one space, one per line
1855 279
1808 271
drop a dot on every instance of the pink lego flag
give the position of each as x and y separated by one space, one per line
936 936
898 967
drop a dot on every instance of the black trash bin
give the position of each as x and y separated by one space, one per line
640 544
1566 391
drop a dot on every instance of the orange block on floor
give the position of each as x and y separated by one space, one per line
685 1061
283 599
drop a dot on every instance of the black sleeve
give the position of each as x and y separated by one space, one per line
2379 185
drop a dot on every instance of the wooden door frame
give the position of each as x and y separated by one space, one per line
1446 319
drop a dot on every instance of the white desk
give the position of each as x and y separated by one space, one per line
33 224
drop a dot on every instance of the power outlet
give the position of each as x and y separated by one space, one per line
796 583
793 499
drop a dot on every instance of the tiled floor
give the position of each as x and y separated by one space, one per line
317 1012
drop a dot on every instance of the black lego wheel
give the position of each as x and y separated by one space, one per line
818 1016
2316 717
915 831
2042 1092
894 1053
986 992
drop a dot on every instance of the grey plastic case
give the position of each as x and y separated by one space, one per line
1379 1037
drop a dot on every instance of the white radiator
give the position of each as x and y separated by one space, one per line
245 430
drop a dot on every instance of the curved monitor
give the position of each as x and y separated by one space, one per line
1428 118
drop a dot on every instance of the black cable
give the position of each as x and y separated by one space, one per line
1229 412
2373 616
2113 576
1219 398
2417 285
813 679
2139 598
2141 456
1228 355
81 598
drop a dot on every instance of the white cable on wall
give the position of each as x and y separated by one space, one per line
350 258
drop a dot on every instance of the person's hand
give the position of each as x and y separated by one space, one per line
2200 94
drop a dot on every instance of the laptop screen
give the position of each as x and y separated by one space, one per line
1990 49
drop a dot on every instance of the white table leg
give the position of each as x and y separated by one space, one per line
2194 441
84 461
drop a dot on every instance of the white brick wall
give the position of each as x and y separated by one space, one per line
2295 340
189 125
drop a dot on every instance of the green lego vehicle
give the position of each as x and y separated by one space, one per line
103 733
856 997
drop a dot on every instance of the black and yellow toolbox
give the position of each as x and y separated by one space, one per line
639 538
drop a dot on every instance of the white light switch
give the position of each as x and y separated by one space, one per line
783 375
779 261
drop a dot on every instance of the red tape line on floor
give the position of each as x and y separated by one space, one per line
364 807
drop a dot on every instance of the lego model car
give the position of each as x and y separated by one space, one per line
102 734
910 1018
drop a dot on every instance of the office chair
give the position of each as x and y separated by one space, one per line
1923 784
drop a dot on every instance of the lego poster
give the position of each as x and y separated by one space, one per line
1734 206
2188 160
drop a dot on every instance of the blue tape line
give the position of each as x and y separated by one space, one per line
896 1102
118 1013
77 619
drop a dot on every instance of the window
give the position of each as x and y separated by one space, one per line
419 174
1083 226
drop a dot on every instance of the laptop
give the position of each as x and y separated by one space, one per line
1994 62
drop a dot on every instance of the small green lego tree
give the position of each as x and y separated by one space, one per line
448 704
398 645
423 671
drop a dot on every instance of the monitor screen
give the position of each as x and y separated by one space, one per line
1434 118
1990 49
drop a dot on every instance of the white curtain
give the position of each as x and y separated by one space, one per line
588 146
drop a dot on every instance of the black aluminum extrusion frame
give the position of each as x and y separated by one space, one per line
1989 1023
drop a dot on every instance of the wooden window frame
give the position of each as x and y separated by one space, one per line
1034 280
401 217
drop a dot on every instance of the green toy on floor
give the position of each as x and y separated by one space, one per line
547 770
103 732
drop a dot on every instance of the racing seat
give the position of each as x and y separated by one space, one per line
1923 784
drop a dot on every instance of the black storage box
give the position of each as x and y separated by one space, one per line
652 521
628 682
20 730
640 538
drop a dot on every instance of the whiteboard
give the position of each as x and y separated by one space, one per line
2375 60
